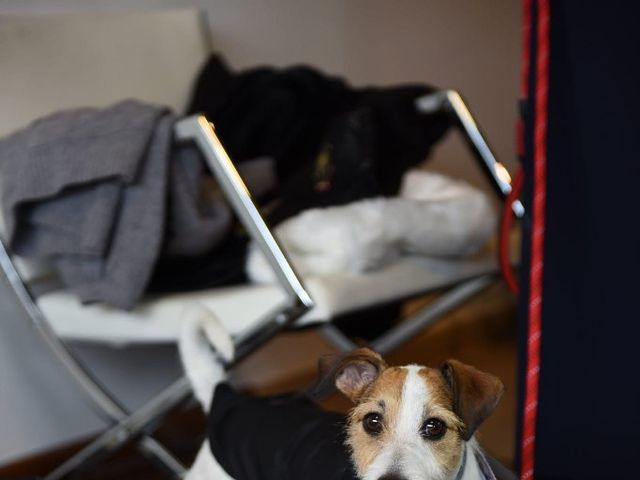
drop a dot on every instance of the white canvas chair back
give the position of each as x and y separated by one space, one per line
54 62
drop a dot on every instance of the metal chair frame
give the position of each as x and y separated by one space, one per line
138 425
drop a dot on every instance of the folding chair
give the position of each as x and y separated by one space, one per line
155 58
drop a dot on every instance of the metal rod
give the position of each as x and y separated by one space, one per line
200 130
413 324
128 428
266 330
451 102
102 402
337 338
97 394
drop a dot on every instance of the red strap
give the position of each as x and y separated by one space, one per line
504 237
537 241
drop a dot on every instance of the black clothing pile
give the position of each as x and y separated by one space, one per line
332 143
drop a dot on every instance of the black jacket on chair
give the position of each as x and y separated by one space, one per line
332 143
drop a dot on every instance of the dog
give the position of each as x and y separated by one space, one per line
407 422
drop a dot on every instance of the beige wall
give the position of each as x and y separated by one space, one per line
470 45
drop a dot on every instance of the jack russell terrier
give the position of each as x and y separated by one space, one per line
407 423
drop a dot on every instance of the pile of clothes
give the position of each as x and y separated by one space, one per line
121 209
331 143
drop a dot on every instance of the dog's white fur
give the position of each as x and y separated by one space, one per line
406 454
201 330
433 216
406 451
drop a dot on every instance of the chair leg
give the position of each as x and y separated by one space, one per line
418 321
103 445
415 323
98 396
106 405
127 425
129 428
337 338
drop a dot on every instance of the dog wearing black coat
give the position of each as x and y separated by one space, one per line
407 423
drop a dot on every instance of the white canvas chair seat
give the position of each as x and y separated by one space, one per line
157 319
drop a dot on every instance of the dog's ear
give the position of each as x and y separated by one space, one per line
475 393
357 371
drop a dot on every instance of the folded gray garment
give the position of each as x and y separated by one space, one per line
89 188
74 148
119 276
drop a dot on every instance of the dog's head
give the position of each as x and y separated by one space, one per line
412 422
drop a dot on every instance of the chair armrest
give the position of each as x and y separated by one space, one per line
199 130
451 102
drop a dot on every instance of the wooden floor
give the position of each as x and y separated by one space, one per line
481 333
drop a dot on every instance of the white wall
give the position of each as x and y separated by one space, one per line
470 45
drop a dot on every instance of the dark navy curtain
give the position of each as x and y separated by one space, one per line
589 399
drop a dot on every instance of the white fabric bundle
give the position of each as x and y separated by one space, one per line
433 215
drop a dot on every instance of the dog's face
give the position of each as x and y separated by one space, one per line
411 422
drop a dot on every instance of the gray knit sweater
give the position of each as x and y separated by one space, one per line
89 188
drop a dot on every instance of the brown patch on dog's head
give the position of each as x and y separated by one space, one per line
475 393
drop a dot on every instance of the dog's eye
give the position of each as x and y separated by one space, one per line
433 429
372 423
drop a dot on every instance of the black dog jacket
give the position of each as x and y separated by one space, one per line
277 438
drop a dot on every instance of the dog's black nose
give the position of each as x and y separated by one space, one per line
392 476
